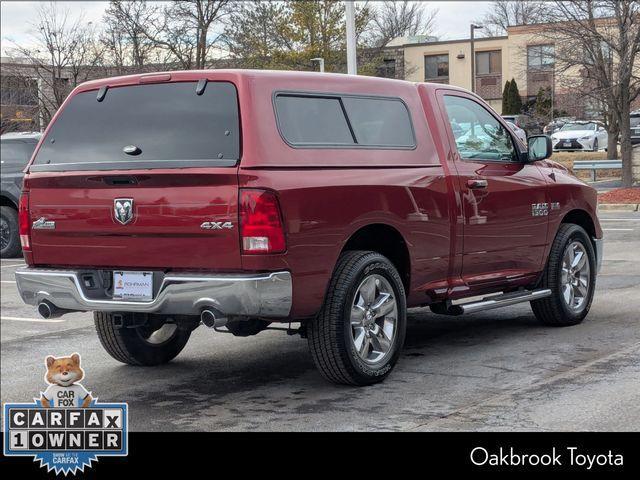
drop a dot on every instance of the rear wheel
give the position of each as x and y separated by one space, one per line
9 236
358 335
570 274
153 343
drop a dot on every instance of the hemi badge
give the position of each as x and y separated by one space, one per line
43 224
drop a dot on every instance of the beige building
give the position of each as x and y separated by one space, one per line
522 54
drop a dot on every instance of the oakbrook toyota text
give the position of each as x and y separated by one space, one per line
571 456
244 200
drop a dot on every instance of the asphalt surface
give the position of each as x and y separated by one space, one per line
496 370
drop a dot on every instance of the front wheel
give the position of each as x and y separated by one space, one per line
149 344
570 274
357 337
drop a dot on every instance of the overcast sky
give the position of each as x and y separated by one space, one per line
452 21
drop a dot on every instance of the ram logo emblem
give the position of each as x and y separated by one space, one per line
123 210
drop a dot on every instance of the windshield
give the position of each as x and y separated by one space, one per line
145 126
567 127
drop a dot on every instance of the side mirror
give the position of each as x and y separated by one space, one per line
540 147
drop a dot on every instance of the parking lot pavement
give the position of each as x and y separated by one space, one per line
497 370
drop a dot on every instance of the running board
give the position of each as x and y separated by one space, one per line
491 302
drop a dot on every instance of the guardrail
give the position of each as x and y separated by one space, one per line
595 165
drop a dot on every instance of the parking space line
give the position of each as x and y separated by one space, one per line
13 266
618 229
8 281
34 320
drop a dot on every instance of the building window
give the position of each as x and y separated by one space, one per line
436 67
540 57
489 63
19 91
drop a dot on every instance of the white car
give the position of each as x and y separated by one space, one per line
576 136
520 133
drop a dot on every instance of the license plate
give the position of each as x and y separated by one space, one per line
133 286
567 144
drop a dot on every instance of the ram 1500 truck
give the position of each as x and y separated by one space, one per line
243 199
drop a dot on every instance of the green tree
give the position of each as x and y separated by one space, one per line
287 35
506 98
511 100
516 99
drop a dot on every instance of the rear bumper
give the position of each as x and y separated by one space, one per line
257 295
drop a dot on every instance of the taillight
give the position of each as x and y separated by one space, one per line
24 222
261 228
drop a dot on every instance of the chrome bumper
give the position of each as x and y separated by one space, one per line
598 244
257 295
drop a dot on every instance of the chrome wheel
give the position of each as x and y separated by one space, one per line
159 336
576 276
374 314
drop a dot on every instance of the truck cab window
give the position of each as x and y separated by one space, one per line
477 133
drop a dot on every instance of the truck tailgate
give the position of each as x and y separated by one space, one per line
166 227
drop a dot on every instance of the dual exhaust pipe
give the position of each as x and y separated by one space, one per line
209 317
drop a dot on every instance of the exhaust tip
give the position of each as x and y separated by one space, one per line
208 318
45 309
212 318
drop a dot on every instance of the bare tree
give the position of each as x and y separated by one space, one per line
124 38
598 42
65 53
503 13
185 29
398 19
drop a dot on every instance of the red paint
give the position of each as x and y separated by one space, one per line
461 241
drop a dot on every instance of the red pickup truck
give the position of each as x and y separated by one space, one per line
242 199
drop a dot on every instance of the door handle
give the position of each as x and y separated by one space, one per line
477 183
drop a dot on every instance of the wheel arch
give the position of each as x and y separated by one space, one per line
385 240
5 201
581 218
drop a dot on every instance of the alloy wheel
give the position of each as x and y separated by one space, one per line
576 276
374 314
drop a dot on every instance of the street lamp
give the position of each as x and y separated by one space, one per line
352 64
473 28
321 62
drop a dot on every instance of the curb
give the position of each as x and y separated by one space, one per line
618 207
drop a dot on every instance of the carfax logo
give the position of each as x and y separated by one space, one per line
66 428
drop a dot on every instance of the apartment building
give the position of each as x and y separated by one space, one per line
523 54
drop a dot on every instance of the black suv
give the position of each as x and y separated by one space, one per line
16 150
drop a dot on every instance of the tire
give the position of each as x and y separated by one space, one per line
332 338
10 246
128 345
555 309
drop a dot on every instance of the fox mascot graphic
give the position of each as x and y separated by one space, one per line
64 390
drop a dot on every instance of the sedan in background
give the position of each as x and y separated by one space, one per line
580 136
520 133
556 124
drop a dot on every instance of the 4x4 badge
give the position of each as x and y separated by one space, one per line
123 210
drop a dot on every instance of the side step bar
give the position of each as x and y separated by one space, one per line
491 302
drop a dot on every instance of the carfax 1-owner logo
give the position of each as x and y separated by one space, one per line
66 428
